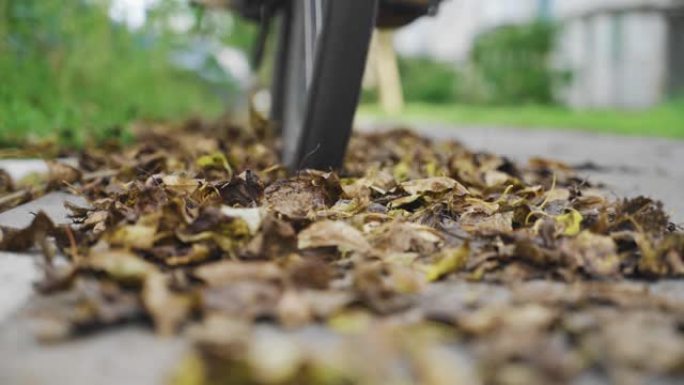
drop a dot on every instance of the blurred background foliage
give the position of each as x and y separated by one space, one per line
508 66
513 64
68 69
425 80
510 80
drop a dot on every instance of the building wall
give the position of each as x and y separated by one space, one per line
564 9
618 50
618 58
676 54
644 65
450 35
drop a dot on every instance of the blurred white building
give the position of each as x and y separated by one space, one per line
623 53
450 35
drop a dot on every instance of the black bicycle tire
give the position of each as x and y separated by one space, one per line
290 101
278 82
317 122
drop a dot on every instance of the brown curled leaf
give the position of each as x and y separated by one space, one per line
333 234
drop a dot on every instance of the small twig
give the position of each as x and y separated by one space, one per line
72 245
99 174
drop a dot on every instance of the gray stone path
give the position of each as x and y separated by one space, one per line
52 204
17 273
128 356
629 166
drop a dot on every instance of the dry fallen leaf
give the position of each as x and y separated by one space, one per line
418 262
169 310
570 222
35 234
295 199
121 265
333 234
595 254
434 185
220 273
449 261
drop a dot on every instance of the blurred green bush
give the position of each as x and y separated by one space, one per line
507 66
67 68
511 65
429 81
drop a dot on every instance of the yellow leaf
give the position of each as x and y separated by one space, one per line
121 265
350 321
190 371
431 169
571 222
401 171
135 236
215 160
450 261
140 235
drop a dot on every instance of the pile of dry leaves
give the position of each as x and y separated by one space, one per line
420 262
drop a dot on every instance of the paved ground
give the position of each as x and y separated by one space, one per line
18 271
128 356
629 166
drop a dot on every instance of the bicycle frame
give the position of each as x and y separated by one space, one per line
320 61
317 137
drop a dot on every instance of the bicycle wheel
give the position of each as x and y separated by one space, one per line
318 76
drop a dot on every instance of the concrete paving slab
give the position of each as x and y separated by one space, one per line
128 356
52 204
19 168
17 274
131 356
19 271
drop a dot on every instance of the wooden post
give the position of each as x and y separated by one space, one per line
383 72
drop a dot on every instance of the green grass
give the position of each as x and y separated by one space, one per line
664 121
68 73
96 109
